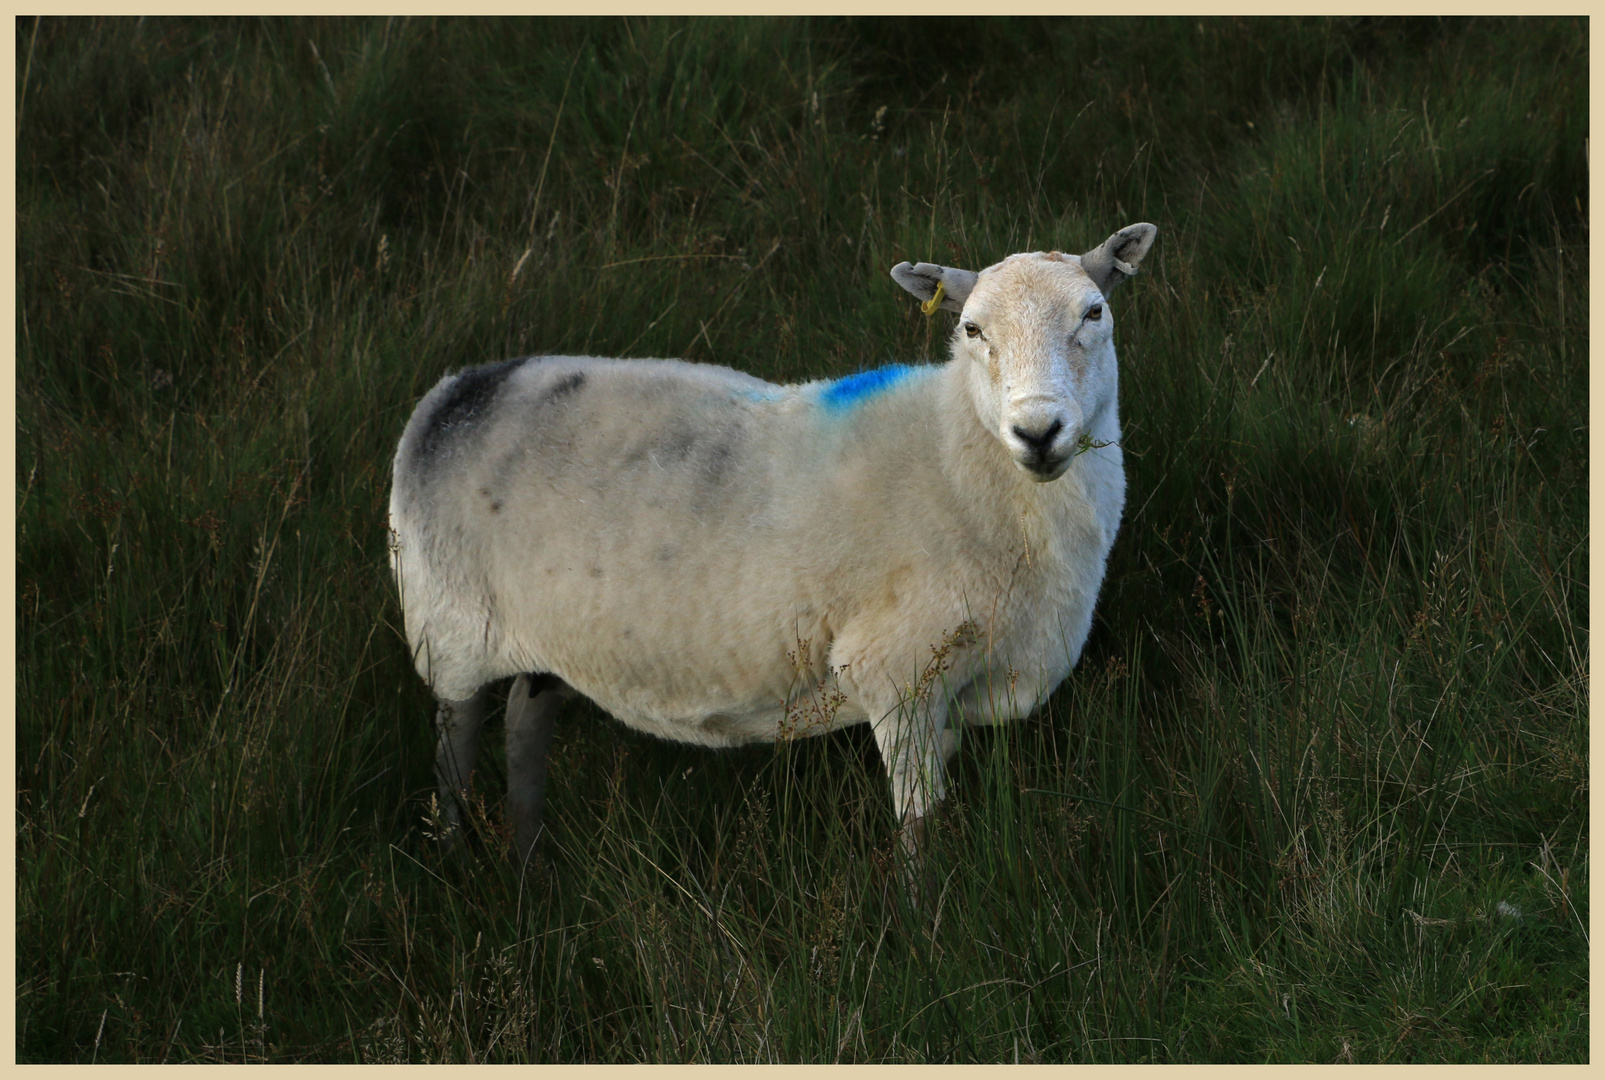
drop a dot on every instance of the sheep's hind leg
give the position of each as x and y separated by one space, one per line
456 754
531 712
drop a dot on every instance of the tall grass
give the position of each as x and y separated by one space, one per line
1315 793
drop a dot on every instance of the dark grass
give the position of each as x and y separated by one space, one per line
1317 791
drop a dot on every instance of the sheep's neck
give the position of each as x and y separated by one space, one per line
999 498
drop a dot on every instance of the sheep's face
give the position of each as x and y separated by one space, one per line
1038 336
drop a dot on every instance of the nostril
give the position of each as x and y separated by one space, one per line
1038 442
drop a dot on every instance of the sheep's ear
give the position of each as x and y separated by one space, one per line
1116 259
921 279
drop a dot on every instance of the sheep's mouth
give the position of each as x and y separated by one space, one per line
1043 469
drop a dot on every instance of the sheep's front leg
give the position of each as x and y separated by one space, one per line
531 712
915 743
456 753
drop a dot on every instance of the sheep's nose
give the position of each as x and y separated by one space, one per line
1038 442
1036 455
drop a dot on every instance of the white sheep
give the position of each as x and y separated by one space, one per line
716 559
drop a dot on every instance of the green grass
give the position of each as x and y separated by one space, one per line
1317 791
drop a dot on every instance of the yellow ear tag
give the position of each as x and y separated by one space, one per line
930 306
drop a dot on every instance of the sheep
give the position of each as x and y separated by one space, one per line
716 559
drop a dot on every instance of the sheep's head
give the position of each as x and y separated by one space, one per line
1038 338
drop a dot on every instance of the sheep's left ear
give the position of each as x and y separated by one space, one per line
1116 259
921 279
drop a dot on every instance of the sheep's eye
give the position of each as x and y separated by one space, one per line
972 330
1095 312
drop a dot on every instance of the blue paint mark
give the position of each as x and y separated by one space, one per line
847 392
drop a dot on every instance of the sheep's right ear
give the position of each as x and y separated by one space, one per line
921 279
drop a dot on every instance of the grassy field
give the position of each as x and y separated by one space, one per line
1317 792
